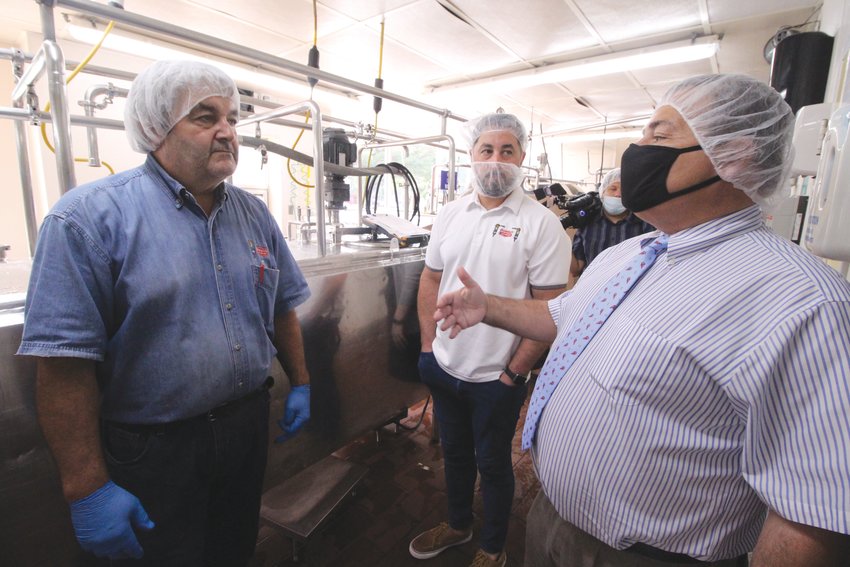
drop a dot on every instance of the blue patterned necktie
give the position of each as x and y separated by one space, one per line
567 351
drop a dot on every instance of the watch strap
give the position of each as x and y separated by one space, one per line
515 378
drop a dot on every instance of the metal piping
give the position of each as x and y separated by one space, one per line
89 105
23 115
333 120
50 59
30 75
48 27
61 116
251 56
318 157
24 166
70 65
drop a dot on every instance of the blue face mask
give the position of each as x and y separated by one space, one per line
613 205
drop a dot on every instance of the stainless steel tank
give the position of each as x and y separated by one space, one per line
360 380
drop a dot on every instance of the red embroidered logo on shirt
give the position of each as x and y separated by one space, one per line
506 232
263 251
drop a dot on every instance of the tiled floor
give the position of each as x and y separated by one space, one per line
402 494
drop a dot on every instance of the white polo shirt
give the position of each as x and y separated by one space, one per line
509 249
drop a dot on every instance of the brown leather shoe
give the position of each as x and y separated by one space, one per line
433 542
483 560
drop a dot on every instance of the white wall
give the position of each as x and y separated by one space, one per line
835 21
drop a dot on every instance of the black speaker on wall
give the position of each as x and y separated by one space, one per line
801 67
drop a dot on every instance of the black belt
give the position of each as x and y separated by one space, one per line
218 412
661 555
668 557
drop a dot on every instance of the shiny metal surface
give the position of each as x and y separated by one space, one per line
360 380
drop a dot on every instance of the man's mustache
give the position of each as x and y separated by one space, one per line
224 148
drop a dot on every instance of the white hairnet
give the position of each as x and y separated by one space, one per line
744 126
164 93
610 177
493 122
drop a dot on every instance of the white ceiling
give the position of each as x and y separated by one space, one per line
430 43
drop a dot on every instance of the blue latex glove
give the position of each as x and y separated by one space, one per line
296 412
104 521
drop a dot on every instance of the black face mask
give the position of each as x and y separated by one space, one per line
643 176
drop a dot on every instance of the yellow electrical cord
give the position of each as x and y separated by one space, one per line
289 160
307 117
380 70
73 74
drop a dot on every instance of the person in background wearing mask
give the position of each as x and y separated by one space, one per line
695 405
158 299
613 226
477 383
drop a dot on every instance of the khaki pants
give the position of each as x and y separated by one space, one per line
552 542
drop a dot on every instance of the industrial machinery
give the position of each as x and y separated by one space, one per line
338 151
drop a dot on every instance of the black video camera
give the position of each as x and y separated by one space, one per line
579 210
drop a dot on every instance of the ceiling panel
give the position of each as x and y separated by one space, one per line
361 10
427 28
727 10
425 45
616 20
215 23
549 28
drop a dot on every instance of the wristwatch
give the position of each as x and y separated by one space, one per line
515 378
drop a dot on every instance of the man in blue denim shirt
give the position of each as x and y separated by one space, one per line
158 299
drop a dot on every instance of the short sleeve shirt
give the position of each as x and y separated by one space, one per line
176 308
508 250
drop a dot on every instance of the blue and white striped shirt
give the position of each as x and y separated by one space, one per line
719 387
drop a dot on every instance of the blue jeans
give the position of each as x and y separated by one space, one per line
477 422
200 481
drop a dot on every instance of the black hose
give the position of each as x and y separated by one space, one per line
373 186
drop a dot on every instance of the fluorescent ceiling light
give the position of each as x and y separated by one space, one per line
631 60
634 134
141 46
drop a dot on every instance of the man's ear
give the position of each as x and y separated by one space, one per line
733 157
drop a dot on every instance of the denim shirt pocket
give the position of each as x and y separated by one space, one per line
265 284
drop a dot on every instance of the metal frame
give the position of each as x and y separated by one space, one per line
318 159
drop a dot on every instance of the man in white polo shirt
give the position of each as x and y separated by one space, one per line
477 381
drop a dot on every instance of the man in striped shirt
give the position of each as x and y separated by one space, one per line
709 416
614 224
